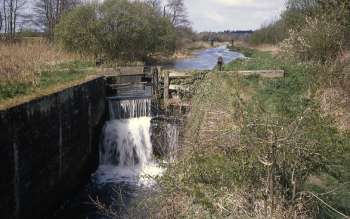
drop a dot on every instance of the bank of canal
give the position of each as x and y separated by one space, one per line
135 132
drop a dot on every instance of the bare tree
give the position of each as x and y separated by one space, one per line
154 3
49 13
10 13
1 20
176 11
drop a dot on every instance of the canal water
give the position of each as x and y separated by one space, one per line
207 59
128 166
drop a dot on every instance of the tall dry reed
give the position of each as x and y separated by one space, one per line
23 62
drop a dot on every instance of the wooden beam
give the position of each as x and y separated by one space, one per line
123 71
261 73
175 75
179 87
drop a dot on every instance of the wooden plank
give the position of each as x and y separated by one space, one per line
123 71
128 84
179 87
262 73
175 75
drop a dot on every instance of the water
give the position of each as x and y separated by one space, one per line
126 152
134 108
207 59
134 90
127 170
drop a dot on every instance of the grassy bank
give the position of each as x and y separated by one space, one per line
31 68
259 148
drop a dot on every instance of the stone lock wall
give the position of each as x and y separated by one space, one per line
48 148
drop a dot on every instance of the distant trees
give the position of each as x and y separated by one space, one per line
10 12
118 29
297 15
177 12
1 20
49 12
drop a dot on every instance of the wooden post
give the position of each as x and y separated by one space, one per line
154 82
159 73
166 89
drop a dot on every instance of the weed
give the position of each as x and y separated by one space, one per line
253 146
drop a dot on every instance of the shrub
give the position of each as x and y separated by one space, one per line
118 29
78 29
272 33
319 40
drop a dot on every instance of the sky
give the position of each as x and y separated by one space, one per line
219 15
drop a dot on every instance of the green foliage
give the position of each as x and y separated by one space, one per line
78 29
8 91
63 73
272 33
260 127
256 61
335 15
53 75
118 29
319 40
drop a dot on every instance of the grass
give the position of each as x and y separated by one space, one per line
55 75
256 61
231 131
30 67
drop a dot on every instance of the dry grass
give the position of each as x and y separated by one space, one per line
22 62
8 103
334 102
273 49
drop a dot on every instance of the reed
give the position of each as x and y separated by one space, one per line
22 62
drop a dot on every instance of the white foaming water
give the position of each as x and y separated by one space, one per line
130 108
126 153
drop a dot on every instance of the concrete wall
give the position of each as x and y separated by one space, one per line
48 148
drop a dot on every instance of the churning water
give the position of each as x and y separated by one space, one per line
127 169
126 152
130 108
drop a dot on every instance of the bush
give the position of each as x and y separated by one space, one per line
297 17
118 29
78 29
270 34
319 40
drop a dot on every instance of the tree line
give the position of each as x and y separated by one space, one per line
113 28
42 15
121 29
297 15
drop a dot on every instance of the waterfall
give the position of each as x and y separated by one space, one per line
126 153
124 109
127 143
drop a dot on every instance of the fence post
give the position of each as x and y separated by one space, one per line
166 89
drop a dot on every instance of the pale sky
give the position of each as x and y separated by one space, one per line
219 15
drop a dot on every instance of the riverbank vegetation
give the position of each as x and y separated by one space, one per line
300 15
27 68
255 147
113 30
258 148
79 35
